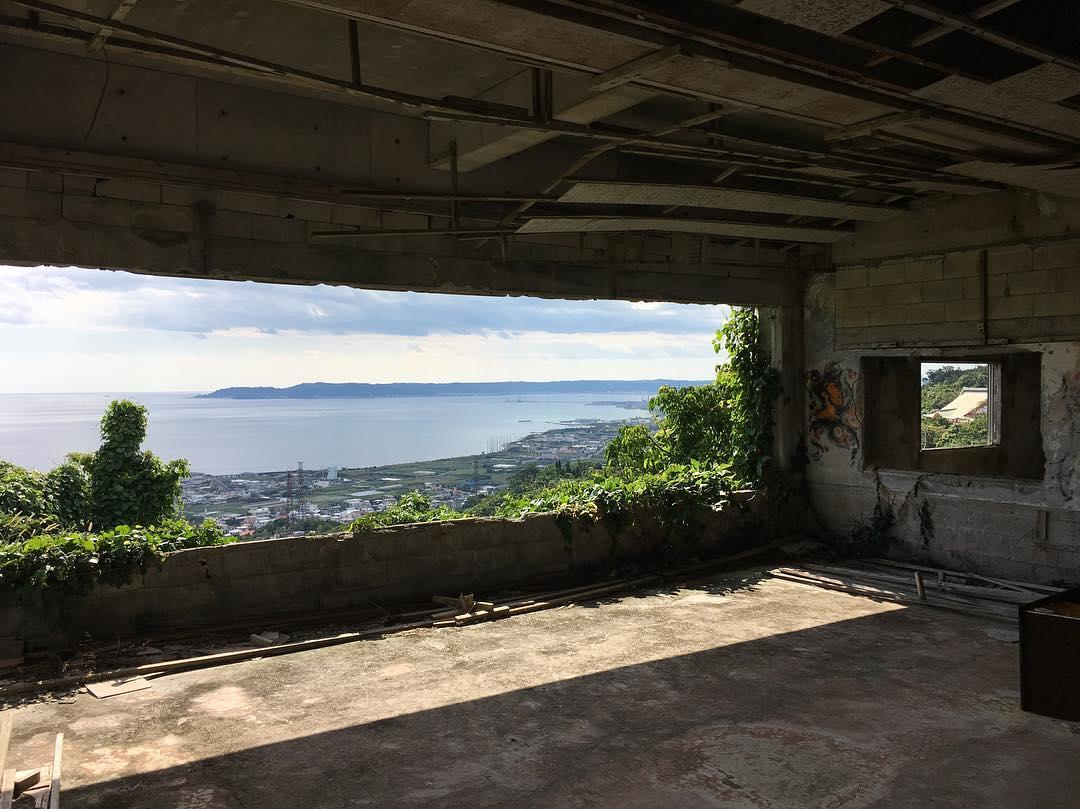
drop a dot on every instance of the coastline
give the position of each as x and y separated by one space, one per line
246 501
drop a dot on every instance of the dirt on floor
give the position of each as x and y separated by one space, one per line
739 691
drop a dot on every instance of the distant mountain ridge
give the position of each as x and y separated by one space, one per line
368 390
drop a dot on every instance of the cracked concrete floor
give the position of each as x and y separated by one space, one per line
741 691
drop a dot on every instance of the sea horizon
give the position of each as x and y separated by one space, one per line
237 436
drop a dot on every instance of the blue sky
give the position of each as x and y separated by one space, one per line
67 329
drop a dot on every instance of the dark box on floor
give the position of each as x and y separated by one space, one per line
1050 655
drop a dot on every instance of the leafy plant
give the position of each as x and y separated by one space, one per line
72 561
68 488
24 491
46 520
729 421
129 486
941 385
410 507
706 441
938 432
753 386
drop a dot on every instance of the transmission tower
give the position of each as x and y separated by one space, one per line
295 500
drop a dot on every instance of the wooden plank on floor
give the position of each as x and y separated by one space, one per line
6 718
112 688
54 783
7 788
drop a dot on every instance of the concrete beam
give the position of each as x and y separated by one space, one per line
620 192
743 230
1007 217
29 241
634 69
585 111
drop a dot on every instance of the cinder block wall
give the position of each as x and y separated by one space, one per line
914 287
1033 291
205 587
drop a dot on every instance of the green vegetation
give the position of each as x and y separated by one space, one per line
728 423
72 560
527 483
939 433
305 525
706 441
99 517
941 386
410 507
96 516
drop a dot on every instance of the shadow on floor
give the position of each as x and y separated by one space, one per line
898 709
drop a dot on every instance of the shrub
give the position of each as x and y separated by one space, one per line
728 422
46 520
73 560
707 440
410 507
129 486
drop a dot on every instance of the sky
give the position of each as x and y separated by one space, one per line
76 330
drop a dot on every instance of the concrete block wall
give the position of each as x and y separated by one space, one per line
250 581
914 288
1032 291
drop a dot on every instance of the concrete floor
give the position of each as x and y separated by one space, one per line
739 692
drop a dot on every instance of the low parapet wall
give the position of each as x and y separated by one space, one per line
273 578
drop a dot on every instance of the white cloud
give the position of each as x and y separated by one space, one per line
84 330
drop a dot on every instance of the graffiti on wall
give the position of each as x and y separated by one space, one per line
834 417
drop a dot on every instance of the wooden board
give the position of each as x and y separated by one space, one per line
7 788
54 783
112 688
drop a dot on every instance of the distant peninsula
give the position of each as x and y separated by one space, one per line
367 390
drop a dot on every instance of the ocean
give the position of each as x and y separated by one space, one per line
225 436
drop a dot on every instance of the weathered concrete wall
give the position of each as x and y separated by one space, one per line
170 174
920 304
273 578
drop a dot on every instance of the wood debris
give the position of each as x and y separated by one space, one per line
41 785
269 638
903 582
113 688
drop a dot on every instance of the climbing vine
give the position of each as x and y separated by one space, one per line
99 516
728 422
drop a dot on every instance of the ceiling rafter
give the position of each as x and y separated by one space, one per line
973 26
754 57
939 31
637 142
759 57
431 106
103 33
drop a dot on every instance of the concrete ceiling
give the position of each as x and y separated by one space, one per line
780 122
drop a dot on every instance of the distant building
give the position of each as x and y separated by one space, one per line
331 473
971 402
